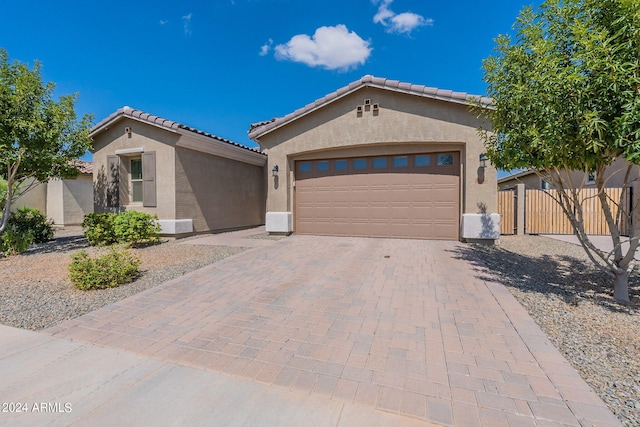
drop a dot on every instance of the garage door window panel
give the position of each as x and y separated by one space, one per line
422 160
401 162
445 159
379 162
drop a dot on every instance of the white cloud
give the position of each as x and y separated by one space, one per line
330 47
401 23
164 21
265 48
186 22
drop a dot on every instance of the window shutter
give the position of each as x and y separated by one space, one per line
149 198
113 182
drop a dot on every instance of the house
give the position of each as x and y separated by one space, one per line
65 201
614 178
193 181
380 158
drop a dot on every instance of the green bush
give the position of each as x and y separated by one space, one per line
98 228
32 220
14 241
136 228
109 270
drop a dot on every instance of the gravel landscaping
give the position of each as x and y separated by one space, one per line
35 292
571 300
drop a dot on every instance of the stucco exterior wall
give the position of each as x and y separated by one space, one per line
69 200
148 138
218 193
404 124
35 198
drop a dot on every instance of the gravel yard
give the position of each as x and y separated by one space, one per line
35 292
571 300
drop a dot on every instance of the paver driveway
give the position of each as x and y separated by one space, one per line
406 326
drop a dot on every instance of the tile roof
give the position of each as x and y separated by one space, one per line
159 121
83 167
258 129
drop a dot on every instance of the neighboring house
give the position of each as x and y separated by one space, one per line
380 158
193 181
65 201
614 178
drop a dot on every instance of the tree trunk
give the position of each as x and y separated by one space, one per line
621 286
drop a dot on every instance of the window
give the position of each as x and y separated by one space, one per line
445 159
340 165
360 163
400 162
423 160
379 162
304 166
323 165
591 178
136 180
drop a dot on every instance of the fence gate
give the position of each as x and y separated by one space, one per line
543 215
507 201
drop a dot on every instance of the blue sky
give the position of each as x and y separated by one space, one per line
220 65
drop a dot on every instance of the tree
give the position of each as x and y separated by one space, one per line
39 136
566 93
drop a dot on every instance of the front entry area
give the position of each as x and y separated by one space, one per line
399 196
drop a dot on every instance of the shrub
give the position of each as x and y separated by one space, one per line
26 220
109 270
14 241
98 228
135 228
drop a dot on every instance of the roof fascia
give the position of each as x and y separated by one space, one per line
208 145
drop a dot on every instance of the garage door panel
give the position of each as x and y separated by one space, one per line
409 202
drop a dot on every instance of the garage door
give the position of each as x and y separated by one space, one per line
404 196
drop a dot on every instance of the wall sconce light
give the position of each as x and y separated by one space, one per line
274 171
483 160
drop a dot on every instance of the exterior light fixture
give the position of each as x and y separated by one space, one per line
483 160
274 171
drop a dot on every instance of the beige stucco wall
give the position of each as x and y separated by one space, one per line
35 198
69 200
218 193
404 124
148 138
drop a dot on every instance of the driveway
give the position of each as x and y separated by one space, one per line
401 328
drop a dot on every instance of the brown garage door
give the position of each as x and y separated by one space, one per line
407 196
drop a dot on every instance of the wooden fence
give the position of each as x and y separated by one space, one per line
507 211
543 215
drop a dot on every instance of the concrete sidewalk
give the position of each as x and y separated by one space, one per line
59 382
306 330
603 243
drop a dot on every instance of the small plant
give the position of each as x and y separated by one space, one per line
26 220
109 270
136 228
98 228
14 241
